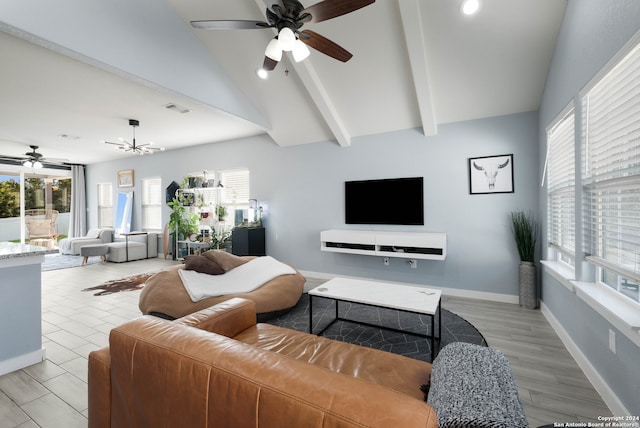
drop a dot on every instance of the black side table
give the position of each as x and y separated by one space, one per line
248 241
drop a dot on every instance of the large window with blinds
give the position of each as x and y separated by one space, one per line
105 205
561 179
231 190
236 187
152 195
611 178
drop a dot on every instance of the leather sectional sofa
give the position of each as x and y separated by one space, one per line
219 368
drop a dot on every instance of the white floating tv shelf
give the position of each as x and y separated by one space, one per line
409 245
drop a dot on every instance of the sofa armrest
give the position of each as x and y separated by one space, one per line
106 235
99 392
228 318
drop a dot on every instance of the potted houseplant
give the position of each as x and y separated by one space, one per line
221 212
525 233
182 220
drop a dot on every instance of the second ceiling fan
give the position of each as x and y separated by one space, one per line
287 17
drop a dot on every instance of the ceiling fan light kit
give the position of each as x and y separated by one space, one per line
274 50
138 149
288 17
300 51
36 160
32 164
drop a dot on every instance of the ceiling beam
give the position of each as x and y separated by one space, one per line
310 80
414 37
320 97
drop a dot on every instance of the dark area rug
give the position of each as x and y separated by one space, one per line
131 283
454 328
65 261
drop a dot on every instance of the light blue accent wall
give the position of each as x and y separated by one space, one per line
593 31
303 190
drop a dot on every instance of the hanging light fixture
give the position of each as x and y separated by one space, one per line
139 149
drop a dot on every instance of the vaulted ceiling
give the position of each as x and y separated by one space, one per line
74 71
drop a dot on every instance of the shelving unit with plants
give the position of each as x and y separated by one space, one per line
197 221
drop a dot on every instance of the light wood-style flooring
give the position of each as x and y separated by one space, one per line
54 393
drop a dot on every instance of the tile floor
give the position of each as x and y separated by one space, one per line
54 393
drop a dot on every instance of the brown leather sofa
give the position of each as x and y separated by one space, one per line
219 368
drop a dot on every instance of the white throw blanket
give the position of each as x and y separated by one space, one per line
242 279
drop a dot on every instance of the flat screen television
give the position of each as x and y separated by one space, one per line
398 201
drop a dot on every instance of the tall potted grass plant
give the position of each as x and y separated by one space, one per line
525 233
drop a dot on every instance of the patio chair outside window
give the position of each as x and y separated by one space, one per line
41 227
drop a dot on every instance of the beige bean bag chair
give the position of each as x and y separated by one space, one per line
164 294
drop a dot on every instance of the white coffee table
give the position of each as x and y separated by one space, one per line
405 298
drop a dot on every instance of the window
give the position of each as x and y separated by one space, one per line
611 108
236 187
152 204
561 177
105 205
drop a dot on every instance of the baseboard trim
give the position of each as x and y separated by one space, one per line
608 396
453 292
22 361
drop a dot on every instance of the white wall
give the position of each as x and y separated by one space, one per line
303 188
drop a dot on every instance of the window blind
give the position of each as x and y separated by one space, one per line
105 205
561 184
611 107
236 186
152 204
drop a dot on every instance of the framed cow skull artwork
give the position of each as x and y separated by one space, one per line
491 174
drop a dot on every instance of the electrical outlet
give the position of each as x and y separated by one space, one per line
612 341
413 263
386 261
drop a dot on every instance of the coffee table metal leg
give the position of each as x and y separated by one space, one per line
433 337
440 320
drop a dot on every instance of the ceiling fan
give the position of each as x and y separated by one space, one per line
288 17
33 159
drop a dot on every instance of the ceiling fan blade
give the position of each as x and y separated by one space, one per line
230 25
324 45
328 9
269 64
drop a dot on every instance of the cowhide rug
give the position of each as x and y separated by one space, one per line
131 283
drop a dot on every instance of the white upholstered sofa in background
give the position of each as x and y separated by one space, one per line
135 247
93 237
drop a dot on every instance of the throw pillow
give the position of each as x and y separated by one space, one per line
226 261
93 233
202 264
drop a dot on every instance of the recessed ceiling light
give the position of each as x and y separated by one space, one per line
469 7
68 137
262 73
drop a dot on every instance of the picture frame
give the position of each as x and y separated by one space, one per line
491 174
125 178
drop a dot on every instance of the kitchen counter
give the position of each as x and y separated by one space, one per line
21 305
